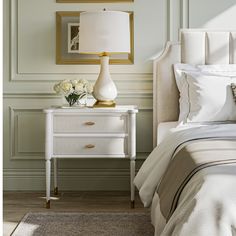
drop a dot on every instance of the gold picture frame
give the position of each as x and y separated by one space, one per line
92 1
67 29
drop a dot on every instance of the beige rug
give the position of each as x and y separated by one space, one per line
85 224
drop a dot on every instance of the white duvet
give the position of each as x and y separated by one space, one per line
203 210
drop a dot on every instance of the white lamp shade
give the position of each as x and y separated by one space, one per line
104 31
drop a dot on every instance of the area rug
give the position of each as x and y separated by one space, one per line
85 224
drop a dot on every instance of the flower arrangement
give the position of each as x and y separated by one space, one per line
73 90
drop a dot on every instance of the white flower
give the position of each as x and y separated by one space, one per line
83 81
89 88
79 88
65 81
74 82
57 88
66 87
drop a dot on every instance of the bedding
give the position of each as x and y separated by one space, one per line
164 128
178 174
210 98
206 202
181 70
233 86
219 70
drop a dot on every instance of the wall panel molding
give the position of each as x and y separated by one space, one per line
185 14
20 133
16 75
137 94
169 20
177 17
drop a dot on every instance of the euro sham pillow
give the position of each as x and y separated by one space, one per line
233 86
210 98
180 69
219 70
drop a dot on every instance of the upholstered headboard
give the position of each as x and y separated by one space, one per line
195 46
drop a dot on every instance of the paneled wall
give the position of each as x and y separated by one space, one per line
214 14
30 72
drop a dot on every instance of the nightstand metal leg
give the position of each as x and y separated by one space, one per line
55 171
132 187
48 175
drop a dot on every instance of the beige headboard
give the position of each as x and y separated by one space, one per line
196 46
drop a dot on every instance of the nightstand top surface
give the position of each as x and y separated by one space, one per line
118 108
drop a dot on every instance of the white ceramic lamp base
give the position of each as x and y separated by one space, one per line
104 90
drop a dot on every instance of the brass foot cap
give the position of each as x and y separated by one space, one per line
48 204
132 204
55 191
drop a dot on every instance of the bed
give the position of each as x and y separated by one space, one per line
189 179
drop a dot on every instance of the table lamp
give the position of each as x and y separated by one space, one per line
104 33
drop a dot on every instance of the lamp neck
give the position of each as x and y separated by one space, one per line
104 64
104 54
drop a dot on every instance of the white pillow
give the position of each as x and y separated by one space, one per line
180 69
219 70
233 86
210 98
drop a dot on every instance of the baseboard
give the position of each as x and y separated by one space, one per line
68 183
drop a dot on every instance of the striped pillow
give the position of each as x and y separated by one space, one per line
233 86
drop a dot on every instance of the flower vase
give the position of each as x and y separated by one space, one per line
74 92
82 102
72 99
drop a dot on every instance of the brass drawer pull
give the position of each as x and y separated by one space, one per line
89 146
89 123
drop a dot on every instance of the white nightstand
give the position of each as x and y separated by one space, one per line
90 133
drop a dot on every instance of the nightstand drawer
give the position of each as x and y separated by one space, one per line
89 123
90 146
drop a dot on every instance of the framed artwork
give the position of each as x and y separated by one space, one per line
67 42
73 38
91 1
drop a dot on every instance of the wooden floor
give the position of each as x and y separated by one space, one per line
17 204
